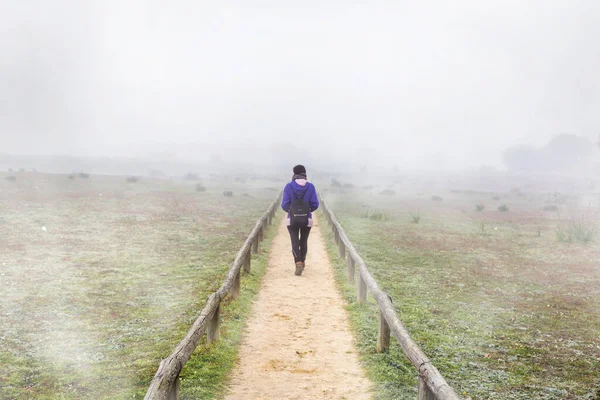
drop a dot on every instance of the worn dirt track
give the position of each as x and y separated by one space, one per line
297 343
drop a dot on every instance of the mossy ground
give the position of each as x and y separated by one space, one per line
90 306
505 311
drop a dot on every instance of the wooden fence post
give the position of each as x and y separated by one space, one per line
214 332
342 247
261 234
424 392
255 244
383 340
350 269
235 289
174 392
362 289
247 261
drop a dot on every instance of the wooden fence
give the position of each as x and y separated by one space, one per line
432 385
165 385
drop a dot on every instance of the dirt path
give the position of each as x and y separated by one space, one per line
297 344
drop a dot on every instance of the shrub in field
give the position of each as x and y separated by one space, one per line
71 176
559 198
240 180
480 207
578 228
378 216
190 176
416 218
132 179
348 186
436 198
503 208
21 169
496 198
11 178
200 187
83 175
576 232
369 187
551 207
517 192
11 170
228 193
335 183
155 173
388 192
375 215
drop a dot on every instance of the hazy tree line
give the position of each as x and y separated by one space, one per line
562 152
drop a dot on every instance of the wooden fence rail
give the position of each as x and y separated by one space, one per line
432 385
165 385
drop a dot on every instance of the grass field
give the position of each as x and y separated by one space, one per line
502 307
91 303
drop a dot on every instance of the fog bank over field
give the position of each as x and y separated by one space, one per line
441 86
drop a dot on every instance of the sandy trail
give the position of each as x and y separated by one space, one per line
297 344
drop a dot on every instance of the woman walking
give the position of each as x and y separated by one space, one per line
299 201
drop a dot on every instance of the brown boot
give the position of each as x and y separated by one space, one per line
299 267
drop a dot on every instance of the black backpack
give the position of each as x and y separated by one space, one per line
299 210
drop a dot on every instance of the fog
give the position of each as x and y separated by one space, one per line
427 84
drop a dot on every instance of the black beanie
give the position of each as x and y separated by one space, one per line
299 170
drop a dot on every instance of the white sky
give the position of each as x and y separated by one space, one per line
404 82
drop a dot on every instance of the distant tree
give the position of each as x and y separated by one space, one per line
191 176
155 173
521 158
216 159
562 152
565 151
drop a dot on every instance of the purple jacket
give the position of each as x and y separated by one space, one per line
293 190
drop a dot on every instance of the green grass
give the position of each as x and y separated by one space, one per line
205 376
503 314
89 307
393 375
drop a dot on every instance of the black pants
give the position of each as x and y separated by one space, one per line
299 242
